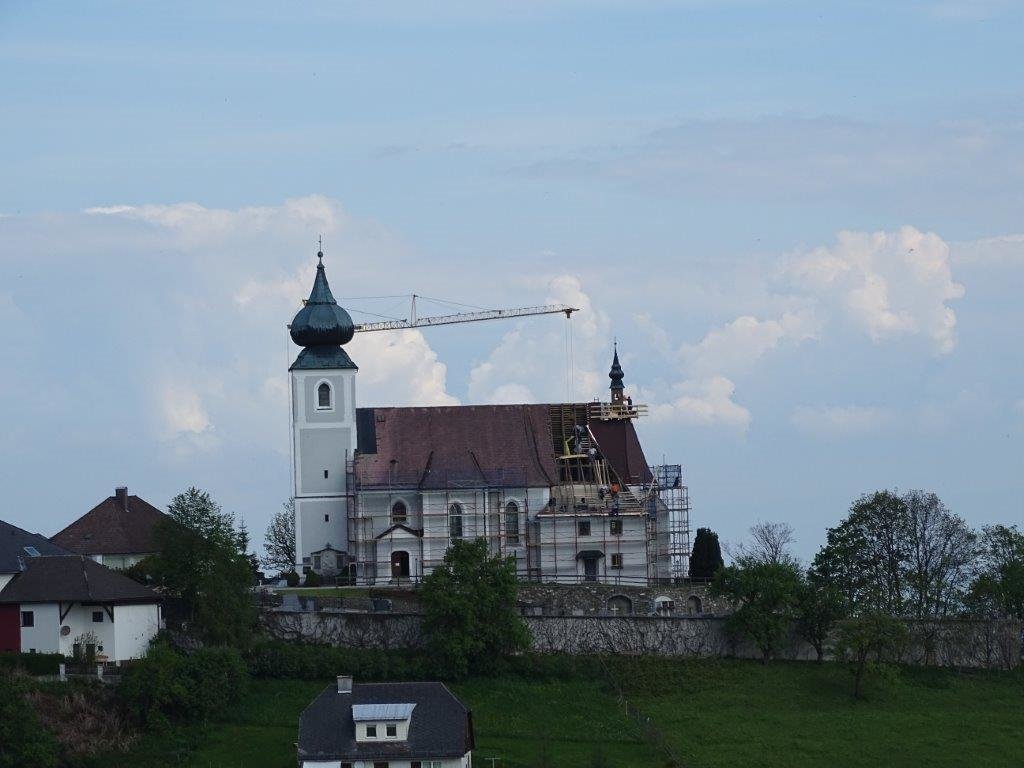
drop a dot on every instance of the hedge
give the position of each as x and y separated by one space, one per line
32 663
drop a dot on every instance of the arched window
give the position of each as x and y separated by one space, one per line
455 521
324 397
512 523
693 604
399 512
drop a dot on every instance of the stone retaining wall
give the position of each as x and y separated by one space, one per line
949 643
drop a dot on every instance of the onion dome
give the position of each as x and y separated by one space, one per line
616 374
321 327
321 322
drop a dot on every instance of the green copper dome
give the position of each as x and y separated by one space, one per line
321 326
321 321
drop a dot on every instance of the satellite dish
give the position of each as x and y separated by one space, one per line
65 631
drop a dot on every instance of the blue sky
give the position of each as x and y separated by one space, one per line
801 220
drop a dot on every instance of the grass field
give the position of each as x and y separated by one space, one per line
711 713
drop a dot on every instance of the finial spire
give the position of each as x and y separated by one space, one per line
320 249
616 375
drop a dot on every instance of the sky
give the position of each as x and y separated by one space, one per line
801 221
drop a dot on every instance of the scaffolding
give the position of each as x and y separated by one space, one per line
587 525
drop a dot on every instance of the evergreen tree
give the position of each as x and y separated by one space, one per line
706 558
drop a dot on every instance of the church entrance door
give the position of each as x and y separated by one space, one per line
400 564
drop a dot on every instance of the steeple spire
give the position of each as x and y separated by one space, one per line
616 375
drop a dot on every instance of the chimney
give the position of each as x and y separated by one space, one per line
121 494
344 683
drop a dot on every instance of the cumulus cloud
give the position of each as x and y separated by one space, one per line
704 403
890 284
532 361
839 420
736 346
399 368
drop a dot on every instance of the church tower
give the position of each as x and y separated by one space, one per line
323 403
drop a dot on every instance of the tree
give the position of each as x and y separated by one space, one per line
23 740
1000 581
471 619
942 556
819 605
868 643
706 557
763 597
769 543
279 541
202 562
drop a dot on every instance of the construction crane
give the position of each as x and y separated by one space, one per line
414 321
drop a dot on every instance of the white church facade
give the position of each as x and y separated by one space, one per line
381 493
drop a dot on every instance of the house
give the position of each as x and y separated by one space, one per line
117 532
18 545
385 725
562 488
59 602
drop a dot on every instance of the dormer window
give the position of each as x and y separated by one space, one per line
324 397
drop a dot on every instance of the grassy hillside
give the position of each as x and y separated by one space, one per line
711 713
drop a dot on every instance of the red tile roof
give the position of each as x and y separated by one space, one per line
470 446
110 529
620 445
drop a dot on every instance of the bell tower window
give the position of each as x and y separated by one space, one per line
324 397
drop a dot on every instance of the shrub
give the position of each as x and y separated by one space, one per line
168 685
291 578
313 579
23 741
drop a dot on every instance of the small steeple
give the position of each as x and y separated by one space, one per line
616 375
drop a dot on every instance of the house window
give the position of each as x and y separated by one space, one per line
616 560
327 518
455 521
324 397
391 730
31 551
316 562
345 765
371 731
512 523
28 619
97 617
399 512
325 474
583 527
425 764
615 527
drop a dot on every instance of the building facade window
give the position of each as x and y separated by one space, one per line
97 617
399 513
616 560
512 523
324 396
583 528
371 731
28 619
455 521
615 527
391 730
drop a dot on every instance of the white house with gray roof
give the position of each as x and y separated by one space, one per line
385 725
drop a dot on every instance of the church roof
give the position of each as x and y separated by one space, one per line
321 326
469 446
620 445
115 526
616 374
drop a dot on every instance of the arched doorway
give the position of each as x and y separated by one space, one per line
400 564
693 604
620 605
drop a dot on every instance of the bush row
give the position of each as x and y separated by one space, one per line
278 659
32 663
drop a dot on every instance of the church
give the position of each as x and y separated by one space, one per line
381 493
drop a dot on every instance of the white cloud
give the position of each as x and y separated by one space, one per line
889 283
1004 249
707 403
183 411
399 368
737 346
839 420
532 359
